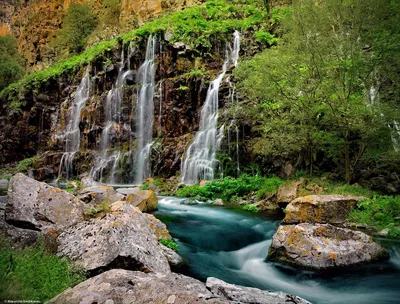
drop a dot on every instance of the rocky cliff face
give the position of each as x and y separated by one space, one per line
179 96
35 22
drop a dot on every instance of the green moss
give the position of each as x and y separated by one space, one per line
170 244
34 274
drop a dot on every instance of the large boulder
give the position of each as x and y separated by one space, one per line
288 192
331 209
240 294
37 206
323 246
120 239
123 286
145 200
99 194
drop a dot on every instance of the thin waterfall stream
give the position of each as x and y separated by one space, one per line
145 113
200 162
72 133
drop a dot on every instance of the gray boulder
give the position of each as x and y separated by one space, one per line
331 209
99 194
123 286
323 246
126 191
240 294
288 192
37 206
120 239
173 258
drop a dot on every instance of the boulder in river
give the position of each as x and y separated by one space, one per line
145 200
331 209
124 286
323 246
120 239
37 206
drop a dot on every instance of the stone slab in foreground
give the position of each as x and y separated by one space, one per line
124 286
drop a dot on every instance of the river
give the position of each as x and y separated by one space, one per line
232 245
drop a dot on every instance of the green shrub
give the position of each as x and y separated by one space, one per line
229 188
26 164
265 38
250 208
10 61
170 244
34 274
77 25
379 211
145 186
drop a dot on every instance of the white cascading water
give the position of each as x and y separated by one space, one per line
109 158
145 113
72 133
200 163
394 127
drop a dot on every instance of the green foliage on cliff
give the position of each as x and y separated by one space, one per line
230 188
310 98
382 212
34 274
10 61
77 25
196 27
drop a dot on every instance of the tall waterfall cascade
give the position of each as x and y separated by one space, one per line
145 113
200 162
72 134
108 158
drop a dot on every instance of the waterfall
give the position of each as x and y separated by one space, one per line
394 126
200 162
72 134
109 158
145 113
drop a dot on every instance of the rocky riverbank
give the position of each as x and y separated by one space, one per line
105 233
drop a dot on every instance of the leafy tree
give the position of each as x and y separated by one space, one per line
77 25
10 61
314 88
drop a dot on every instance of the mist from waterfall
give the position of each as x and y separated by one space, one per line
72 133
145 113
201 162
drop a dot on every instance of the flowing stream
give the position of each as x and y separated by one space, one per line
232 245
